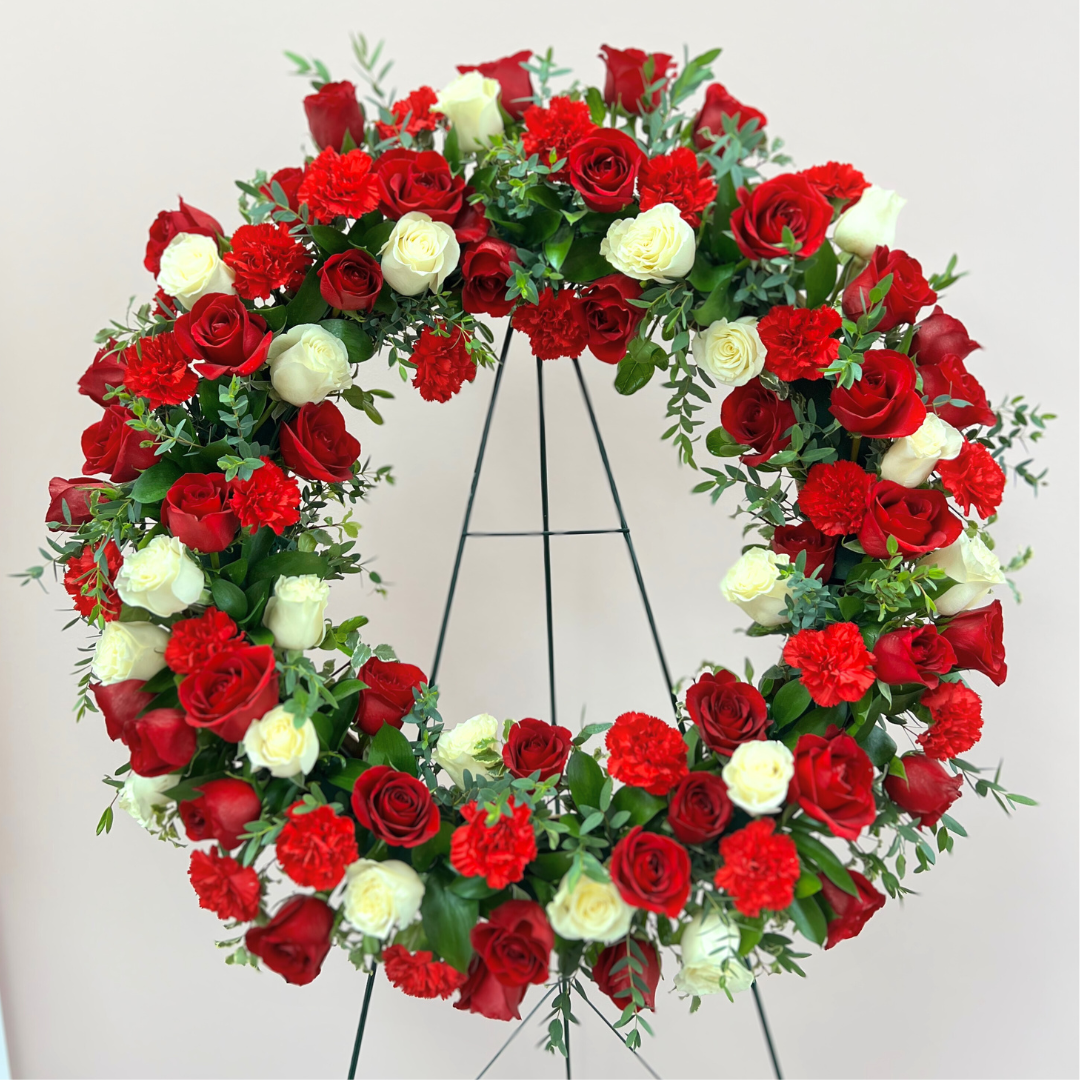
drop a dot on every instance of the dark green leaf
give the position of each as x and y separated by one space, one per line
879 745
307 306
551 866
153 484
723 247
719 304
720 444
826 860
256 597
472 888
638 803
819 275
808 917
375 238
631 375
209 401
355 340
346 779
229 598
330 240
236 571
448 921
425 854
585 779
790 702
584 263
390 747
289 564
275 316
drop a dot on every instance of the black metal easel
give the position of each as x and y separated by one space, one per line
546 533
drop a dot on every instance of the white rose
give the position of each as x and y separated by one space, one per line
471 104
131 650
471 745
191 268
710 957
974 568
657 244
758 774
381 896
307 363
594 911
161 577
294 614
277 744
870 223
141 795
910 460
731 352
755 584
419 254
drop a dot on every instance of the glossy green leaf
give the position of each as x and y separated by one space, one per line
229 598
819 275
359 345
347 777
827 861
448 921
390 747
289 564
631 375
584 263
809 919
307 306
719 443
153 484
790 702
424 855
585 779
638 803
329 240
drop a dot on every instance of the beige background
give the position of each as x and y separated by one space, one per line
107 966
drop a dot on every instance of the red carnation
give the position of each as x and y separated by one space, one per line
268 498
332 113
316 446
850 913
339 185
833 664
913 654
611 319
835 181
550 133
387 697
266 258
533 746
192 642
834 782
625 83
113 446
419 180
927 792
315 846
646 752
973 478
105 373
498 852
677 178
940 335
949 378
85 576
820 548
443 364
395 807
798 341
956 712
612 972
222 812
419 974
168 224
976 638
760 869
651 871
754 416
908 294
226 888
289 180
157 369
727 711
788 202
412 114
515 85
294 943
555 326
919 519
709 123
884 403
834 496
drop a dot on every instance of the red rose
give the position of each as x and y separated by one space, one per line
388 698
395 807
331 112
976 638
233 689
651 872
949 378
788 201
555 326
884 403
625 82
908 294
289 180
351 280
534 746
956 720
754 415
550 133
919 518
679 179
339 185
499 853
419 180
414 107
226 337
223 811
798 341
110 446
485 268
834 782
610 319
484 994
443 363
156 368
604 167
74 494
316 446
928 791
616 984
294 943
120 703
974 479
709 123
844 183
700 809
419 974
160 742
90 583
106 371
913 654
727 711
760 869
471 224
515 84
223 886
820 549
315 846
515 943
192 642
646 752
940 335
171 222
196 511
268 497
833 664
850 913
834 496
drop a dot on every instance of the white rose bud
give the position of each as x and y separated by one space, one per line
910 460
381 897
755 584
419 254
974 568
142 795
870 223
161 577
191 268
294 614
594 911
471 104
277 744
471 745
758 775
656 245
710 957
132 650
731 352
307 363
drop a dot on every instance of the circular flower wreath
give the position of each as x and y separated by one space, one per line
461 859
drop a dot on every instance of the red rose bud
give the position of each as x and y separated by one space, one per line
611 320
351 280
294 943
709 123
316 446
820 549
119 703
106 371
884 403
233 689
171 222
908 294
160 742
604 168
939 335
485 995
221 333
913 654
485 268
331 112
395 807
850 913
196 511
73 494
110 446
388 698
419 181
700 809
754 416
976 639
617 985
919 518
288 180
834 782
950 378
788 201
928 791
516 88
534 746
222 812
515 943
625 82
651 872
727 711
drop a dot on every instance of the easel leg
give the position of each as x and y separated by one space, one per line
363 1023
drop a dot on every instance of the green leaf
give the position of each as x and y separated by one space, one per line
289 564
595 100
551 866
275 316
472 888
210 401
809 919
307 306
819 275
719 304
585 779
631 375
374 239
153 484
329 240
390 747
346 779
584 263
356 341
721 444
425 854
813 850
556 249
256 596
807 885
879 745
638 803
723 247
790 702
448 921
229 598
